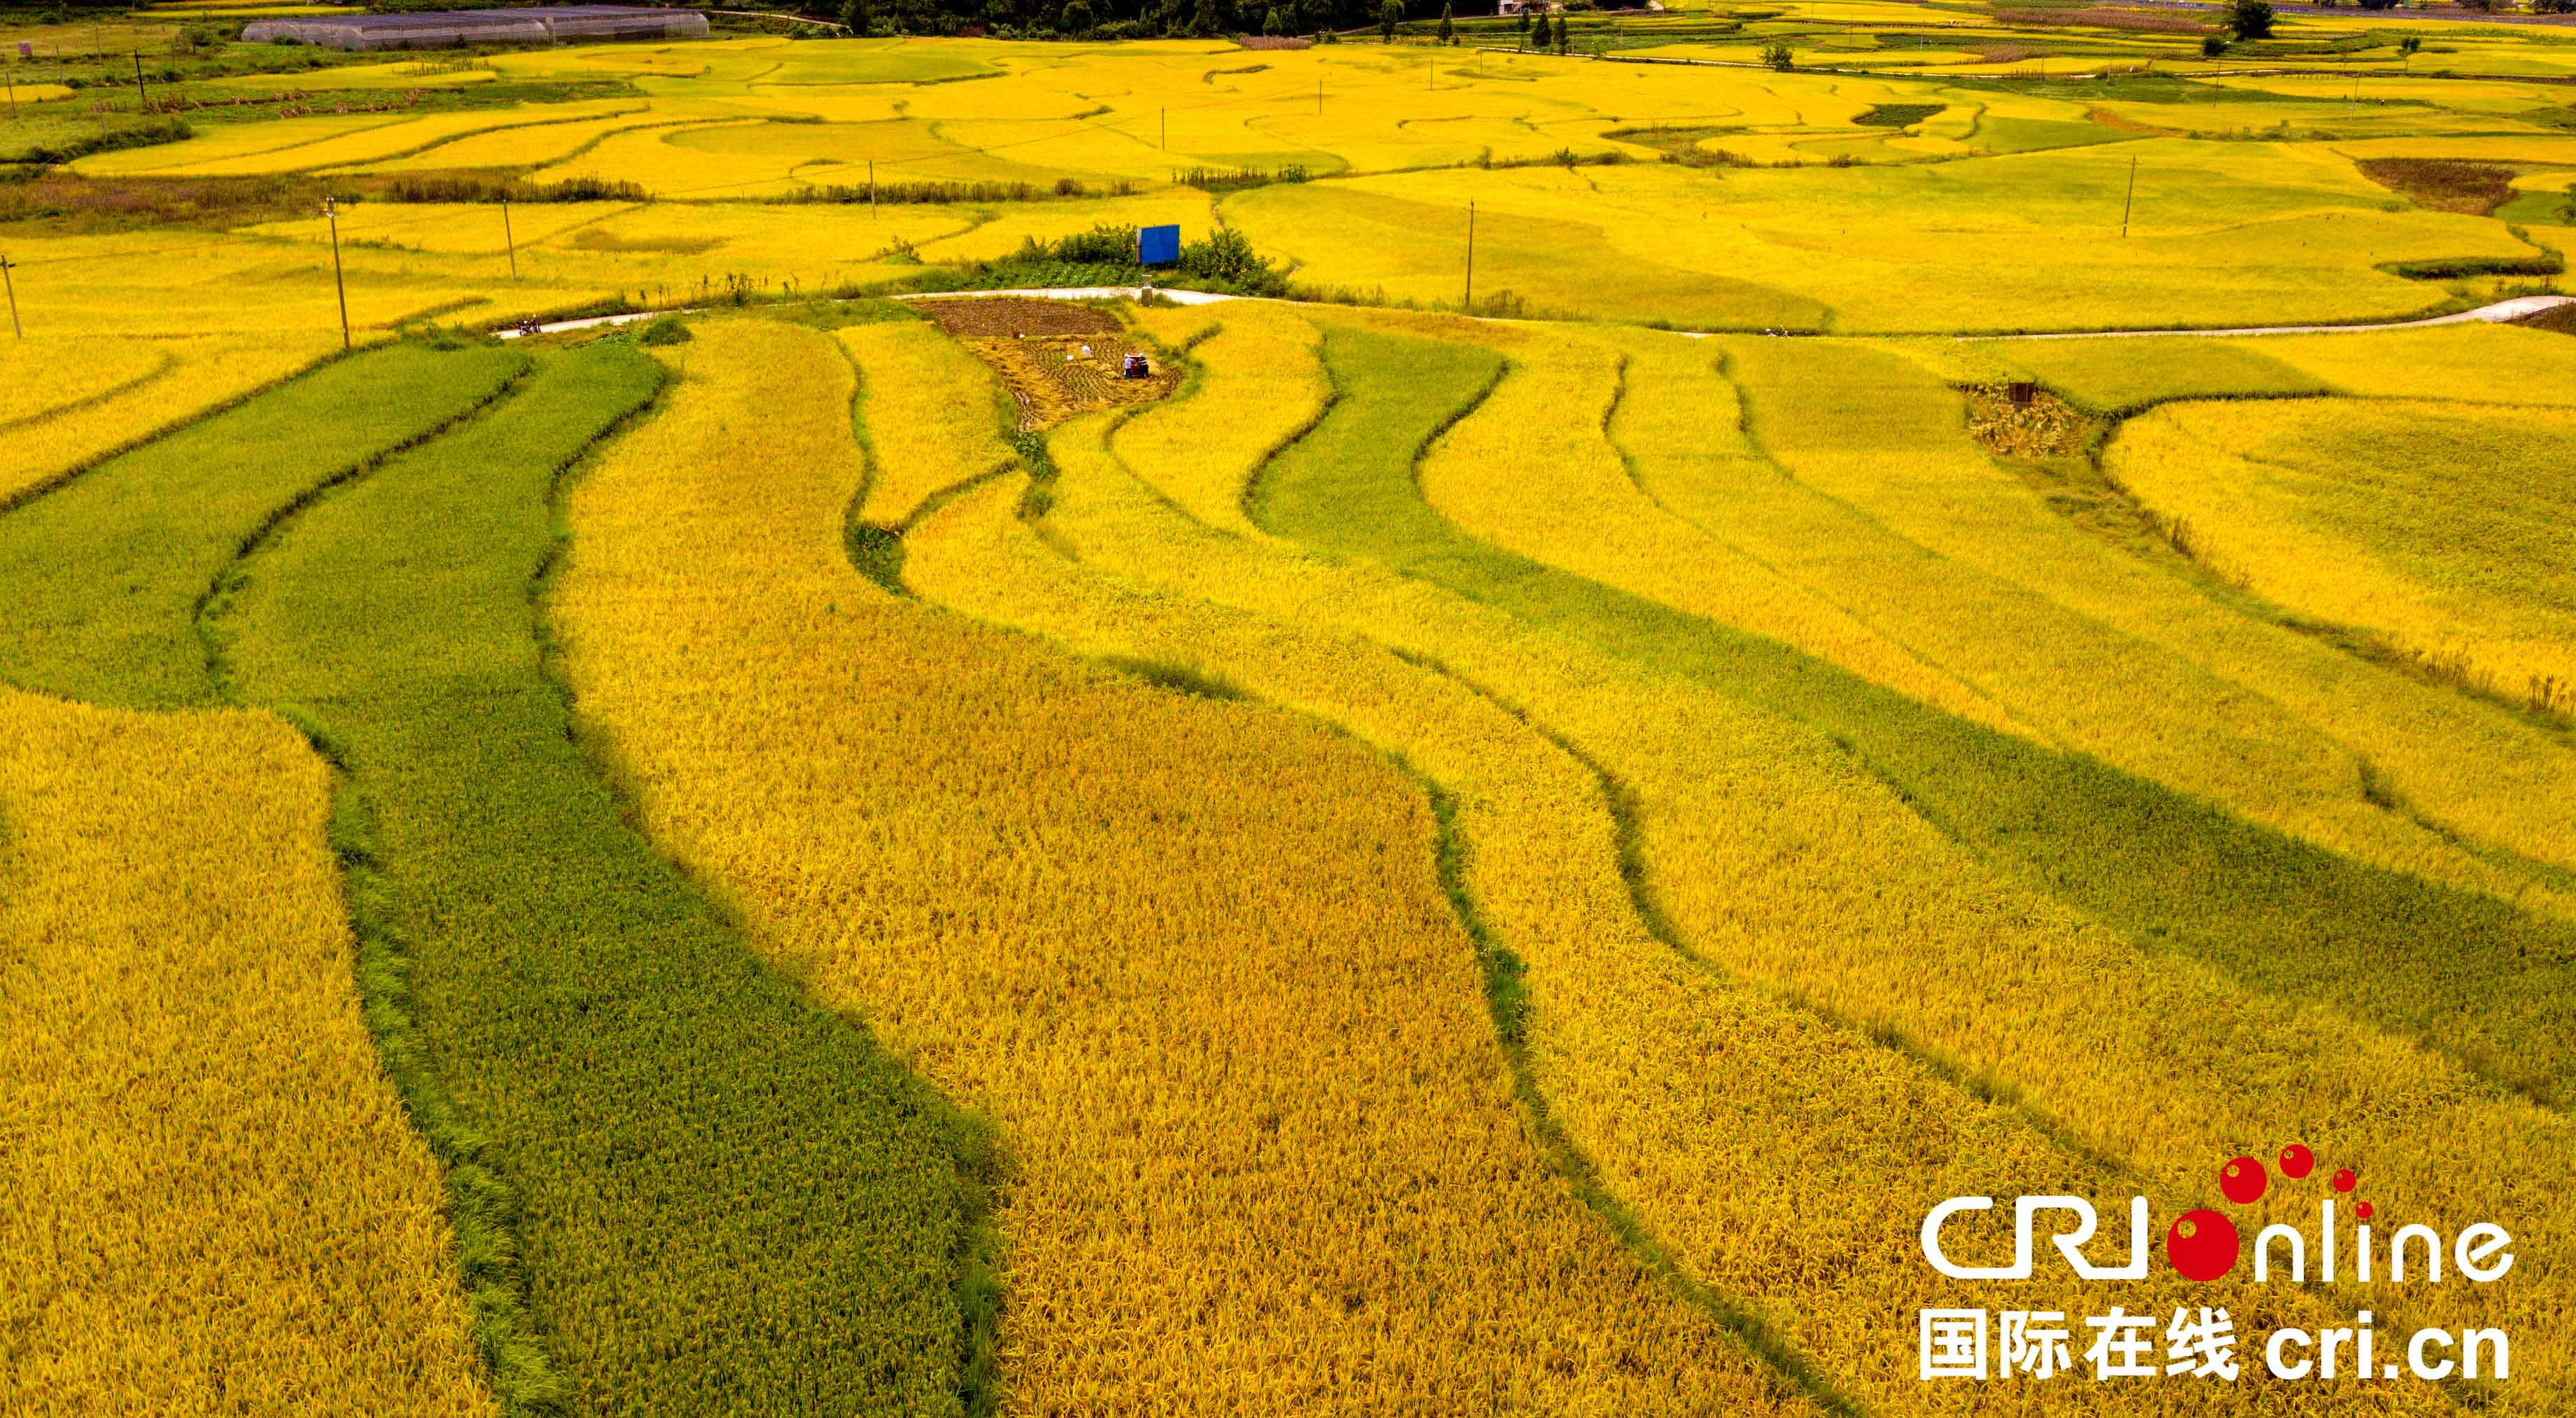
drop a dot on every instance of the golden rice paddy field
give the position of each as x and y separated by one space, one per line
1403 828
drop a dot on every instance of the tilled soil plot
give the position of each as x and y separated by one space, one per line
1008 316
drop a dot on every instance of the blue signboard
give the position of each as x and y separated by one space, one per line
1158 245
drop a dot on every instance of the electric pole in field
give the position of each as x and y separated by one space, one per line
331 210
6 266
507 239
1471 258
2130 201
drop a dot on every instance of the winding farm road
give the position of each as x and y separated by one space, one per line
2496 314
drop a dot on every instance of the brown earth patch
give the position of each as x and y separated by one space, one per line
2125 124
2108 17
2444 184
2561 318
1008 316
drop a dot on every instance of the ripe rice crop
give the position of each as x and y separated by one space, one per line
2440 526
2121 376
2475 364
2469 770
1260 1142
2112 846
1545 884
1708 898
49 376
216 1204
426 133
694 1190
183 379
520 145
1423 864
268 142
930 410
1264 384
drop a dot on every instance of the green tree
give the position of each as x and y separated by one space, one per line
1077 17
2212 45
1446 28
1271 23
1203 24
2250 19
854 13
1529 18
1564 36
1778 56
1388 17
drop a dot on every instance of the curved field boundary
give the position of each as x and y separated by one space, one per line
1706 1100
215 1200
2174 873
160 369
689 1186
1192 956
42 483
109 566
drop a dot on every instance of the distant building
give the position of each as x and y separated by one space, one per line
449 29
1530 7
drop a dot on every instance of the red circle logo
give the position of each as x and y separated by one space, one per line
2243 1180
2202 1245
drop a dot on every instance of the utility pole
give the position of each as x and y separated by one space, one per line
331 210
144 98
508 240
6 266
1471 258
2130 201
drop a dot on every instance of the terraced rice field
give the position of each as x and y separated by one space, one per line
1534 840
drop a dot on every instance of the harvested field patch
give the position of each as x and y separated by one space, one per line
2108 17
1010 316
2443 184
2561 318
1054 377
2039 426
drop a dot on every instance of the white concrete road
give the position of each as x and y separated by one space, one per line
2495 314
